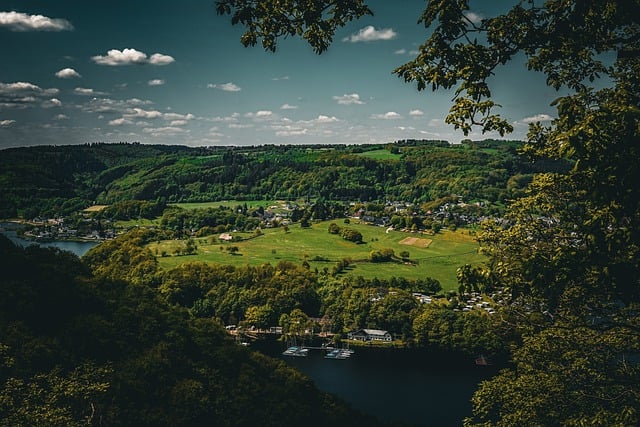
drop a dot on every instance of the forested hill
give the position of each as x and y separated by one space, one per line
53 180
77 350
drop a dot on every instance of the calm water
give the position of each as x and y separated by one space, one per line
409 386
77 248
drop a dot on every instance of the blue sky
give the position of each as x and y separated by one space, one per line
77 71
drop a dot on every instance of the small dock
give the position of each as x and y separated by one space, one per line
318 348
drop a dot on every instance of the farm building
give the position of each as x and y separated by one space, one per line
369 335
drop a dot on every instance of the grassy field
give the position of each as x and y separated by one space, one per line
381 154
229 204
438 258
95 208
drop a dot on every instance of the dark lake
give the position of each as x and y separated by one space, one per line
415 387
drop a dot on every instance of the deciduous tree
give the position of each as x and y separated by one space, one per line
570 248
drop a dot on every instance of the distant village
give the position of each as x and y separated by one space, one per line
403 216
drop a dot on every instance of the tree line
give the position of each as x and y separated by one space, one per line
54 181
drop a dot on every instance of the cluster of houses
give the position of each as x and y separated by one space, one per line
475 301
449 211
45 230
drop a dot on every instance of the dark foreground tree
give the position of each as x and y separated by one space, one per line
78 349
570 252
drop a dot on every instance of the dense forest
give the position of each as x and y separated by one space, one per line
52 181
81 348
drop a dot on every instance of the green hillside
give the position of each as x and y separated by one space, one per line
53 181
446 252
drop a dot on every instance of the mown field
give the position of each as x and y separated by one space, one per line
439 259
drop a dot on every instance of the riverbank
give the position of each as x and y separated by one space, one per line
76 247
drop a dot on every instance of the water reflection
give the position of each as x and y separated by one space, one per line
10 230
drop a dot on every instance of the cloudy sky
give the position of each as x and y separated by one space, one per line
77 71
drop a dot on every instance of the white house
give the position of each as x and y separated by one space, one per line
370 335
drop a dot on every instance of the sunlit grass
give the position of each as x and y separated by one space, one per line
448 251
228 204
380 154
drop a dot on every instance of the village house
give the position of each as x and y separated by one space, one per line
370 335
226 237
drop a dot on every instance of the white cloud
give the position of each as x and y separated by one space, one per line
261 115
537 118
68 73
17 21
348 99
400 51
176 116
165 131
119 122
281 78
288 107
227 87
51 103
416 113
291 131
128 56
156 82
139 113
61 117
369 33
108 105
25 87
84 91
23 95
473 17
160 59
232 118
239 126
322 126
6 123
325 119
391 115
125 57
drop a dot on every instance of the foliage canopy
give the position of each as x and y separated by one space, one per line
569 249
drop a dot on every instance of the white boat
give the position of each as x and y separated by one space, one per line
295 351
337 354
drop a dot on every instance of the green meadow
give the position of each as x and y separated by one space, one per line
228 204
381 154
446 251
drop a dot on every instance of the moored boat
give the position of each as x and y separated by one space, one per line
337 354
295 351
